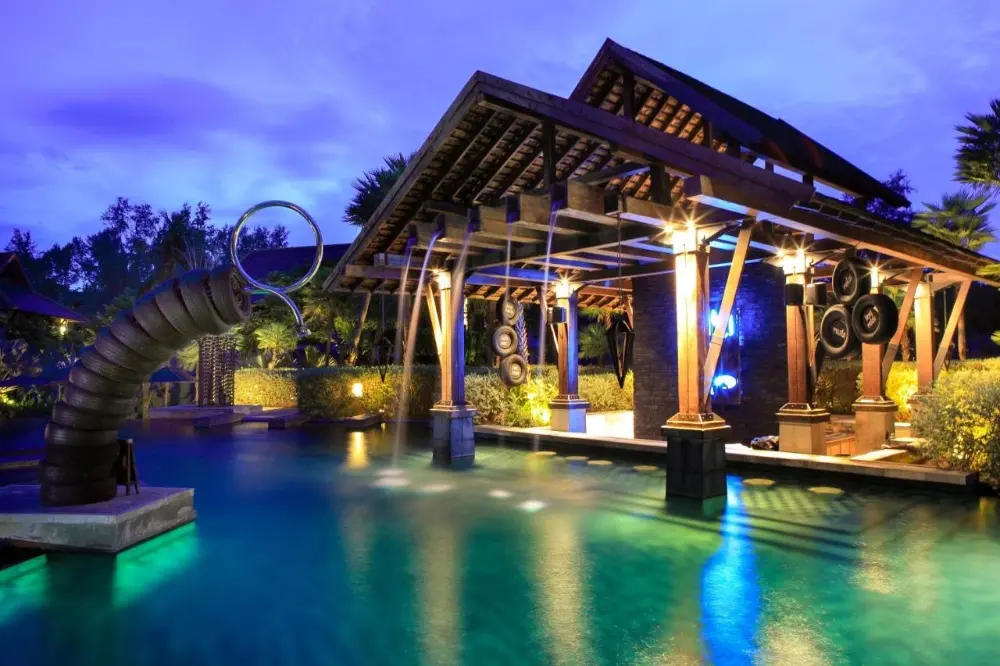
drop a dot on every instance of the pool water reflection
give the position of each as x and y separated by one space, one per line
309 548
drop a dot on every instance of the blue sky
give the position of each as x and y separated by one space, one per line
233 102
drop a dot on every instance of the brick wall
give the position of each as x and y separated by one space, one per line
760 303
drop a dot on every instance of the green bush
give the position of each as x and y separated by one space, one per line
960 421
328 392
267 388
837 386
520 407
601 390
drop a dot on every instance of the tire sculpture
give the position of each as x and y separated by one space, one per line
507 310
875 318
81 439
851 281
836 333
513 370
504 340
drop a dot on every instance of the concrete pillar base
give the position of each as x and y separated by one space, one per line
696 457
874 423
569 414
453 434
802 429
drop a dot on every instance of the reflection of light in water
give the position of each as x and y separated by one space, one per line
790 641
441 570
645 468
599 463
873 572
357 528
391 482
576 458
531 505
22 586
544 454
758 482
560 572
141 568
357 450
826 490
730 598
499 494
389 471
436 488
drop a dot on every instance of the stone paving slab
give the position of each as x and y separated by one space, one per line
108 527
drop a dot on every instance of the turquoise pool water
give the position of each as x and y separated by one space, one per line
310 548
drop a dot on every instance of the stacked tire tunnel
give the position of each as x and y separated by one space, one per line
81 438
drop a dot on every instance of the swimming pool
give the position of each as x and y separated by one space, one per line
310 547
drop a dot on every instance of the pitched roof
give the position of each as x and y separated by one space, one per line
261 263
761 133
16 293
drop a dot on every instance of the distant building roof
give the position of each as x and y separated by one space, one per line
16 293
261 263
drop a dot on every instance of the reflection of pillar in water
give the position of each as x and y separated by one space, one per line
730 597
560 571
356 524
440 569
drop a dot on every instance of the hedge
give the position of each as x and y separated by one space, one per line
328 392
839 383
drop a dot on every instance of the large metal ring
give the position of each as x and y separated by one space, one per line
280 292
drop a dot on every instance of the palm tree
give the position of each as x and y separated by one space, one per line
594 342
962 219
275 339
978 155
372 187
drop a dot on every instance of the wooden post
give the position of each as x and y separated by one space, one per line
874 414
568 410
628 95
456 337
451 418
726 307
549 153
366 300
696 438
444 356
904 315
949 331
923 315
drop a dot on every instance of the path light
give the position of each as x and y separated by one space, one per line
357 390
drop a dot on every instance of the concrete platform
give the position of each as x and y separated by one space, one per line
204 417
360 422
277 419
742 455
105 527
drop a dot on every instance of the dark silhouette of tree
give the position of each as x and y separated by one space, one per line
372 187
899 183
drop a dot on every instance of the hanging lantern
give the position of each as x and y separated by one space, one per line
382 348
621 335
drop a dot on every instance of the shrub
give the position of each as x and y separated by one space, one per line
960 420
520 407
328 392
267 388
601 390
837 386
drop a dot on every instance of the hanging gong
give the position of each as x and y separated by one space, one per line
382 348
620 338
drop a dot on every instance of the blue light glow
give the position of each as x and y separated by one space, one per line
713 320
724 381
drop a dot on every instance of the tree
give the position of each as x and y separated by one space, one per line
978 155
372 187
275 340
594 342
899 183
963 219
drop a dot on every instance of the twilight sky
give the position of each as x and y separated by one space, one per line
235 101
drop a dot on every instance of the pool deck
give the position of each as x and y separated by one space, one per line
743 455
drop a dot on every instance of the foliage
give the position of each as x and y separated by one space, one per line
187 357
372 187
594 342
267 388
601 390
978 155
276 340
328 392
15 361
314 358
961 218
960 422
899 183
22 403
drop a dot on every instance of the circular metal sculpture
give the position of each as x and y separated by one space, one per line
851 281
836 334
875 318
281 292
513 370
504 340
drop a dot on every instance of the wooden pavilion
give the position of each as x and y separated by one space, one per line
645 172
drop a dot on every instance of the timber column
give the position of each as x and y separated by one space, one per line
874 413
801 424
696 438
923 330
569 410
453 434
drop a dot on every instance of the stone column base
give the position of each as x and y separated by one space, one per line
453 434
874 423
802 429
569 414
696 458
